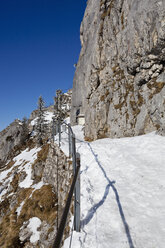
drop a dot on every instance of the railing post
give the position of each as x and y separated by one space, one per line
69 140
77 197
73 154
75 188
74 171
59 132
56 129
53 129
63 221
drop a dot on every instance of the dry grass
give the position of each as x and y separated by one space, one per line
140 100
9 230
120 105
9 227
4 206
41 205
42 155
122 20
14 182
156 87
40 162
88 139
9 165
30 143
157 126
70 162
24 194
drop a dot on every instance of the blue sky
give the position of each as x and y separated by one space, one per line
39 44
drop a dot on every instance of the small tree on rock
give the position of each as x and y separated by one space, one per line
25 130
41 123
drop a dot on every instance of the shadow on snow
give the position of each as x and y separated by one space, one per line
94 208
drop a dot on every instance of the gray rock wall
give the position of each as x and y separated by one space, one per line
120 76
9 138
58 162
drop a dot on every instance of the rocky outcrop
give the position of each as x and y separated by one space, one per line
10 137
33 190
119 83
56 163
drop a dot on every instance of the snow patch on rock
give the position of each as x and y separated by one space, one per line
34 224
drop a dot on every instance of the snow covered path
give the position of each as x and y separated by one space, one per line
122 193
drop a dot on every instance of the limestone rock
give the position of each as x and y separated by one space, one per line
119 79
9 138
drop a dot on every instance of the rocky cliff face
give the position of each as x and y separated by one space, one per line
32 197
9 138
120 76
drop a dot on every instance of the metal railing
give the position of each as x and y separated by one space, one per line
75 187
63 221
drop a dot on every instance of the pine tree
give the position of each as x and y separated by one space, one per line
25 130
41 123
59 110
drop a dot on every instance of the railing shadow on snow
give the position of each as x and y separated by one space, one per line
92 210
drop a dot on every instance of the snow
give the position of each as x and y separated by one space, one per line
18 210
48 118
22 163
122 192
38 185
65 138
67 120
27 182
4 174
34 224
29 157
5 180
3 191
63 143
34 122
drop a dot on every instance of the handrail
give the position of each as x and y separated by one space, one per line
63 221
68 125
75 187
71 140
